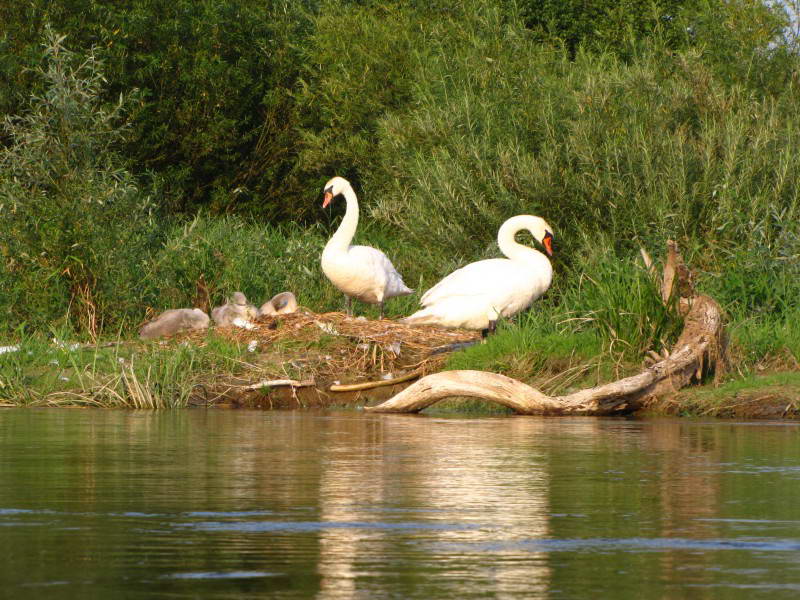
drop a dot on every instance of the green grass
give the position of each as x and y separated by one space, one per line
122 375
765 395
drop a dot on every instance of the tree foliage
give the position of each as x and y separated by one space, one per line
622 123
71 212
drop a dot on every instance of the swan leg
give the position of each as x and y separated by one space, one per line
489 330
380 318
348 306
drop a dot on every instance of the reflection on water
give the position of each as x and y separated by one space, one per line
240 504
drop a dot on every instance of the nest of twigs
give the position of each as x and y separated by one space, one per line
332 348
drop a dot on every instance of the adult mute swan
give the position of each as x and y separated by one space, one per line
476 295
360 272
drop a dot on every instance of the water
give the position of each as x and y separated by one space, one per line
246 504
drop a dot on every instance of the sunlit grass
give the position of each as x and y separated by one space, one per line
115 374
748 394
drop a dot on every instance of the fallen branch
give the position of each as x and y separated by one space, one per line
278 383
697 347
368 385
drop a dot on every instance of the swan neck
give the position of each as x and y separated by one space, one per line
506 240
347 228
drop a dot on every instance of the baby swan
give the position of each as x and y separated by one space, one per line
236 308
174 321
280 304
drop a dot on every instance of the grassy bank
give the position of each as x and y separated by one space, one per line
117 374
681 127
573 338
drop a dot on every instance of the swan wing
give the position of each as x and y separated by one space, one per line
375 263
472 295
476 279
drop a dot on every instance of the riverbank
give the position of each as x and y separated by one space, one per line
329 360
310 360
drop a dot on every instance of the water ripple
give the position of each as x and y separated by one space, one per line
630 545
312 526
220 575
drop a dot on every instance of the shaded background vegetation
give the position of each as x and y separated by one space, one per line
161 144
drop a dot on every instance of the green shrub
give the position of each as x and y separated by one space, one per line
214 111
74 220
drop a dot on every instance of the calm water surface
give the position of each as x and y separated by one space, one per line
241 504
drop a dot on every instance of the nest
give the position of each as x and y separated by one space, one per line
333 348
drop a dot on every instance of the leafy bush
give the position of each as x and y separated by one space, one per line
214 111
74 220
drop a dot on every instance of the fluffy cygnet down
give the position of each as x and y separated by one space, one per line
174 321
280 304
236 308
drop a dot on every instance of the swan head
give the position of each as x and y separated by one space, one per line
239 298
537 226
333 188
543 233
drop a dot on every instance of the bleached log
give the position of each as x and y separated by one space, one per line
697 347
670 267
277 383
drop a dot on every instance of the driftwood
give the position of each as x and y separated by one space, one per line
368 385
278 383
696 350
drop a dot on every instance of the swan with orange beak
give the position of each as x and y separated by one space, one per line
476 295
360 272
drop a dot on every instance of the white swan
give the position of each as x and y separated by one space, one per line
360 272
476 295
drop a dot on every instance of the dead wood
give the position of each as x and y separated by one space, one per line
368 385
670 268
697 349
277 383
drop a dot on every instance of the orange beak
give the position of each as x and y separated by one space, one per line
547 242
326 199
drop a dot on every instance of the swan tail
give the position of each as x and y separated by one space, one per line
421 317
395 286
399 289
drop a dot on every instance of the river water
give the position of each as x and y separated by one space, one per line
250 504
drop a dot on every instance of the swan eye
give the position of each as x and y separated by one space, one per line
547 242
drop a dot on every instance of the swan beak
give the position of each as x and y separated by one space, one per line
547 242
327 196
